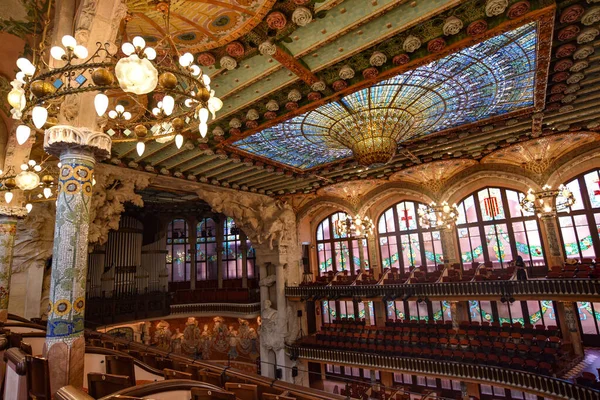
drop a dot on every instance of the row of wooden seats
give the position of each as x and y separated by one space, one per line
588 379
574 271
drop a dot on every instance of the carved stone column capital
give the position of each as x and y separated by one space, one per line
60 138
13 212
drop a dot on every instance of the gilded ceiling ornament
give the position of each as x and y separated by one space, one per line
565 50
276 20
571 14
575 78
267 48
252 114
477 27
206 59
291 106
346 72
272 105
338 85
436 45
370 73
377 59
218 131
559 88
411 43
587 35
518 9
563 65
228 62
560 76
569 98
235 123
314 96
270 115
568 32
302 16
452 26
591 16
318 86
572 88
401 59
235 49
579 66
294 95
495 7
583 52
251 124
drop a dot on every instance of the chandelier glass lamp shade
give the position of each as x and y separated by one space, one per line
548 201
442 216
354 227
158 92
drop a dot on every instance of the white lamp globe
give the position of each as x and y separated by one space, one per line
150 53
179 140
39 115
27 180
57 52
28 207
47 192
80 51
203 128
127 48
26 66
203 115
139 42
101 103
69 42
140 147
168 104
8 196
136 75
16 98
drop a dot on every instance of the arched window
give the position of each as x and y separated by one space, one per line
404 243
579 229
178 256
232 250
493 229
206 250
339 252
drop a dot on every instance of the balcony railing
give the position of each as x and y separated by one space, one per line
541 289
541 385
112 310
211 308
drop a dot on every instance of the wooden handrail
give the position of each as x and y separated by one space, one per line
540 289
541 385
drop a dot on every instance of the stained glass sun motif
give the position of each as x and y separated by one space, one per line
488 79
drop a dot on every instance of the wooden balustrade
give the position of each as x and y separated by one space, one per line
512 379
539 289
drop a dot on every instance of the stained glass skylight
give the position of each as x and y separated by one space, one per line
488 79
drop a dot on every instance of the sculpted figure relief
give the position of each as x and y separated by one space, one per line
272 335
263 219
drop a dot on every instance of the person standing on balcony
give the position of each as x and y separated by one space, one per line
520 265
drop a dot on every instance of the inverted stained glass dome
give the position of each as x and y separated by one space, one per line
491 78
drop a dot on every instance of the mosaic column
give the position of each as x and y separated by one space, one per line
78 150
568 316
8 228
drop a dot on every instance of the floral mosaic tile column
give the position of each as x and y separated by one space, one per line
78 149
8 228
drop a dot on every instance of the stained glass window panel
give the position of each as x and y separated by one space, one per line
488 79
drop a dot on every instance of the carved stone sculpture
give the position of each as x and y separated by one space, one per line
263 219
112 190
271 334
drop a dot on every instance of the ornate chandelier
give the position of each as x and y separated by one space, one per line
548 201
355 227
441 216
28 181
153 95
373 134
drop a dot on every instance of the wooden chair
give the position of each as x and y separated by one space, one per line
174 374
194 370
101 385
211 377
271 396
121 365
243 391
26 348
209 394
38 378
